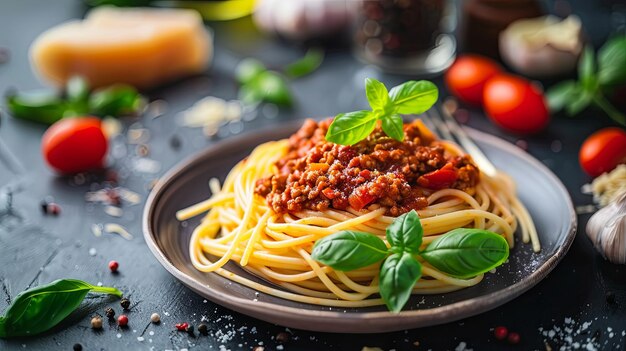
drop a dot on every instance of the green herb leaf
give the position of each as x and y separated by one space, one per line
393 127
466 253
352 127
405 233
581 99
612 61
273 87
36 106
562 94
587 69
414 97
249 69
398 275
116 100
349 250
249 95
38 309
377 96
309 63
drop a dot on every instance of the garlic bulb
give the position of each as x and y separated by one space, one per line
302 19
543 46
607 230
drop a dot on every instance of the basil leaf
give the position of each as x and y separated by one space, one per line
562 94
249 95
377 95
414 97
612 61
352 127
405 233
398 275
36 106
349 250
587 68
465 252
309 63
392 126
38 309
116 100
581 99
249 69
271 87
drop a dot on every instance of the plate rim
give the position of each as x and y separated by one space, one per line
378 321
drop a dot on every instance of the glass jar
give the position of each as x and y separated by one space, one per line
406 36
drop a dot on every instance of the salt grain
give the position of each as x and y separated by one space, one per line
92 252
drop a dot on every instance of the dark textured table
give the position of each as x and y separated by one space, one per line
567 309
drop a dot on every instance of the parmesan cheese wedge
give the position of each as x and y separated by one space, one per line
143 47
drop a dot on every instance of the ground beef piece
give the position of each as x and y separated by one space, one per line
317 175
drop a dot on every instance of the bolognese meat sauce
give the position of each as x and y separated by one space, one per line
316 174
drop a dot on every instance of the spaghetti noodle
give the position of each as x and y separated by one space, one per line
243 225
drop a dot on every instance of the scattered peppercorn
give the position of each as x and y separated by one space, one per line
500 333
181 326
122 320
175 142
113 266
189 329
54 209
125 303
610 297
96 322
113 197
49 207
109 312
155 318
142 150
44 208
77 347
513 338
282 337
203 329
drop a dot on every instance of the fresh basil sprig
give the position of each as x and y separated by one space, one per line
412 97
77 99
38 309
259 84
462 253
596 77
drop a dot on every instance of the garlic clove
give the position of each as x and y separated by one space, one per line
607 230
543 46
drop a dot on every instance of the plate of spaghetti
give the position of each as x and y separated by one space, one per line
383 234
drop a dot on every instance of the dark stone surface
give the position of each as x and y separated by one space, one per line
36 249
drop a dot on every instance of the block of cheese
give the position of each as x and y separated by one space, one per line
143 47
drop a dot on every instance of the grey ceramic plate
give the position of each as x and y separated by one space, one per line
542 192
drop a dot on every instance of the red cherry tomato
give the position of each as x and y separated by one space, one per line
515 104
74 145
603 150
467 76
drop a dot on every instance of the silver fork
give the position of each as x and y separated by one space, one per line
440 120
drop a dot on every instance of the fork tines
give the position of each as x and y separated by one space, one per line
442 123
